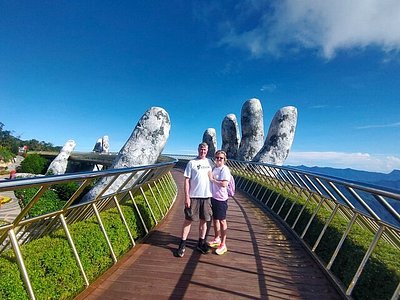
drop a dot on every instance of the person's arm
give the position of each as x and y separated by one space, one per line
223 183
187 195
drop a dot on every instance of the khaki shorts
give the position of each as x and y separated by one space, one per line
200 208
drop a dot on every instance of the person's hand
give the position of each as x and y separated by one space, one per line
187 202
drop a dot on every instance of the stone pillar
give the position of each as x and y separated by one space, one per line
252 129
280 137
102 145
105 144
210 138
59 165
143 147
230 136
98 146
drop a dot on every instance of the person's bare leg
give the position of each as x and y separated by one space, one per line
202 229
224 228
217 229
209 223
180 252
186 229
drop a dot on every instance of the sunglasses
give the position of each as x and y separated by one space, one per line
219 157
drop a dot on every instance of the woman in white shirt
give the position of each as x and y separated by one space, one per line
220 177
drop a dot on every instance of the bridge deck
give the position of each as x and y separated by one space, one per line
263 261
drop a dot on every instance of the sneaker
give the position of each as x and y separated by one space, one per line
221 249
180 252
215 242
203 248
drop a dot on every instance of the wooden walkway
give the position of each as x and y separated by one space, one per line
263 262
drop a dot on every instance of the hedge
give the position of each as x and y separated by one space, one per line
50 263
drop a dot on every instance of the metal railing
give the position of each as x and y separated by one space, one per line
25 228
307 204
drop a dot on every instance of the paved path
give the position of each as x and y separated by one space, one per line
9 210
263 262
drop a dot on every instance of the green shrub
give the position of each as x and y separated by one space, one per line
65 190
5 154
53 271
92 247
34 163
47 203
12 286
50 263
117 231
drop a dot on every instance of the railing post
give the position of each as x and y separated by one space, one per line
269 197
396 293
293 203
148 204
124 220
345 233
301 211
72 244
284 201
21 264
325 227
364 261
263 195
161 196
138 211
312 217
104 232
155 199
165 185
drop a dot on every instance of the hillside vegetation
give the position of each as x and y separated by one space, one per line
9 144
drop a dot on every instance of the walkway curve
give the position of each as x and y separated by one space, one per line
263 262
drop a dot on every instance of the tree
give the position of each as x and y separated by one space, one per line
5 154
34 163
8 141
12 143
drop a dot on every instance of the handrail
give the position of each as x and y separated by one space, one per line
299 178
26 228
280 189
284 191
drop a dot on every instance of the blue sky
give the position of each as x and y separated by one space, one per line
80 70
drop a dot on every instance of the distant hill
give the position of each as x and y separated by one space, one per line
391 180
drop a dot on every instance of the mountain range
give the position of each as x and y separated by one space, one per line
390 180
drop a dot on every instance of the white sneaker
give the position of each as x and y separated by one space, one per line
215 242
221 249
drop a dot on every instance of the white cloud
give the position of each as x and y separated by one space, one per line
325 26
268 87
319 106
341 160
380 126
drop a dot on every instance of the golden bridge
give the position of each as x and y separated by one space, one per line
292 235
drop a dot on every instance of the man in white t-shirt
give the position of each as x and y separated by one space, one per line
197 199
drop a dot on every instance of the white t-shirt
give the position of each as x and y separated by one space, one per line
197 171
219 192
